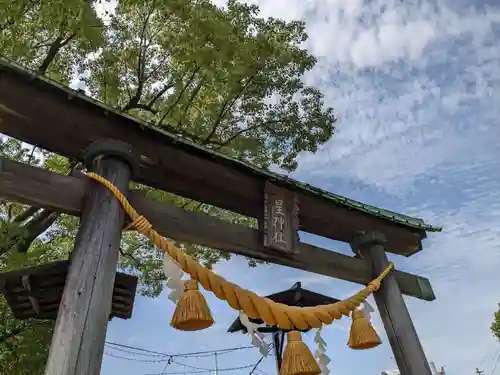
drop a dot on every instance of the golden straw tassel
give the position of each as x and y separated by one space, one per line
192 312
362 335
298 359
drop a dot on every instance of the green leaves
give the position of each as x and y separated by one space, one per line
49 36
24 345
225 78
495 326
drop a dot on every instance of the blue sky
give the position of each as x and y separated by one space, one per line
416 89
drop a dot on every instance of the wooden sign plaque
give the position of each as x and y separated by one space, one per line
281 219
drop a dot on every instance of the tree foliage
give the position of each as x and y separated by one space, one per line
495 326
225 78
23 344
49 36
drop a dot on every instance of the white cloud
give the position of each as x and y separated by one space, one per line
400 81
415 85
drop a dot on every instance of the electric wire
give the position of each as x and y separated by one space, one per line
158 357
198 369
496 363
491 350
260 360
256 365
122 350
136 359
193 367
204 371
152 353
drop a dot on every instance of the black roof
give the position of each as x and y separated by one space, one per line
295 296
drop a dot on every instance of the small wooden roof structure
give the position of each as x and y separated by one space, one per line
295 296
36 292
48 115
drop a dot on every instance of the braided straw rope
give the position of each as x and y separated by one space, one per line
273 313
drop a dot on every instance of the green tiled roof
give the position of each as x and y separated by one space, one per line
234 163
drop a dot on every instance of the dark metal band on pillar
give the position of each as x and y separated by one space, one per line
406 346
79 334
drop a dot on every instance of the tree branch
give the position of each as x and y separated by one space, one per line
54 49
158 66
226 107
177 100
149 106
35 228
130 256
216 124
32 154
68 39
194 94
160 93
242 131
141 63
10 212
29 212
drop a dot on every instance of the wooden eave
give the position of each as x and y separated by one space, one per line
41 112
36 292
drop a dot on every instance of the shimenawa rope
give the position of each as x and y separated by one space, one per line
273 313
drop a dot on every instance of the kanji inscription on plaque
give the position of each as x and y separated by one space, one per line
281 214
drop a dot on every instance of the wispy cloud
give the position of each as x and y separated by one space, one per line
416 88
415 85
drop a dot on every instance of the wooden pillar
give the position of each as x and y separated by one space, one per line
80 331
403 338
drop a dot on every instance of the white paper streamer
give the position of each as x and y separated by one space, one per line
256 336
322 359
174 276
367 309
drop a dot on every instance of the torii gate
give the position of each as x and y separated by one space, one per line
43 113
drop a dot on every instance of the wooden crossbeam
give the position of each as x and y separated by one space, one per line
41 188
43 113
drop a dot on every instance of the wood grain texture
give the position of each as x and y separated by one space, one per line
281 219
80 331
47 284
67 124
42 188
398 324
